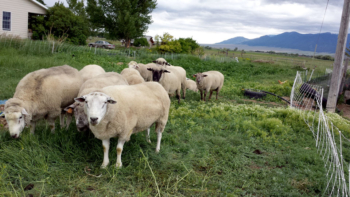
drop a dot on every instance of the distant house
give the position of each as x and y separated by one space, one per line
16 14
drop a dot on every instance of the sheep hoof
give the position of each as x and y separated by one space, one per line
157 150
118 165
104 166
149 141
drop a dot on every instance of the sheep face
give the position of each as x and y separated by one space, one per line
157 73
81 119
16 121
95 106
132 64
199 77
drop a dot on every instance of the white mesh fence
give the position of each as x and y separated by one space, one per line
309 100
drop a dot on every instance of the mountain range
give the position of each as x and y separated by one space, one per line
326 42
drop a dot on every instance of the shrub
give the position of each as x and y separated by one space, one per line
141 42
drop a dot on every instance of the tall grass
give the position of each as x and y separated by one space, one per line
229 147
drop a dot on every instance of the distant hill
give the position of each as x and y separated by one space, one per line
235 40
326 42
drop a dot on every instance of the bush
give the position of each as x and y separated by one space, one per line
141 42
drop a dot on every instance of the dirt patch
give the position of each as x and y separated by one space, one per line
345 110
264 61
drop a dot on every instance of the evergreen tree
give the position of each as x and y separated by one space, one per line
122 19
41 1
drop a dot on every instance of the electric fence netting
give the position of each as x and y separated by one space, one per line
309 100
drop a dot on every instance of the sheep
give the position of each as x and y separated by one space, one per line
41 94
191 85
209 81
179 71
170 81
161 61
142 68
132 76
119 111
98 82
90 71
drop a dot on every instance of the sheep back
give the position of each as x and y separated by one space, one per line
91 71
132 76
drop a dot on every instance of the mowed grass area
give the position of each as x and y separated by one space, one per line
229 147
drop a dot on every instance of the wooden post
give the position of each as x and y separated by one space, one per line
345 68
338 60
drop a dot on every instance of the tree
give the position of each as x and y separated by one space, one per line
141 42
122 19
61 22
41 1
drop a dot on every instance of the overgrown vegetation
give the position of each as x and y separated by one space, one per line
229 147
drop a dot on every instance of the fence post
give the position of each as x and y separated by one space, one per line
53 46
95 49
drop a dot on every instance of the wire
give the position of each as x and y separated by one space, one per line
324 15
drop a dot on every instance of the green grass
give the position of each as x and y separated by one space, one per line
229 147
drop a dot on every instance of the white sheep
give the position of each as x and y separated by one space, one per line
169 80
132 76
41 94
91 71
209 81
119 111
161 61
191 85
96 83
142 68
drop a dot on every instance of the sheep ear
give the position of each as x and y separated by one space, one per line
205 75
70 108
154 61
80 99
195 75
167 64
111 101
166 71
24 112
150 69
136 66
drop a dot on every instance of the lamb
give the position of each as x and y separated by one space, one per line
142 68
191 85
41 94
90 71
170 81
209 81
98 82
119 111
132 76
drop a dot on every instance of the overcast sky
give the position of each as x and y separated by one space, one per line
212 21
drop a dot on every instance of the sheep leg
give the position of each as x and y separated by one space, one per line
211 92
119 153
205 94
62 120
68 120
52 124
201 94
105 145
217 94
159 137
178 95
183 91
148 136
32 127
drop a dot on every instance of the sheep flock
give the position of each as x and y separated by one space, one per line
108 104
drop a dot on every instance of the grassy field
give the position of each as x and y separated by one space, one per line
229 147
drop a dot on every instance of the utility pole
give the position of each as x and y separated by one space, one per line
338 59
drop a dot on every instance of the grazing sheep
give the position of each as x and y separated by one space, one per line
191 85
119 111
132 76
90 71
209 81
170 81
41 94
142 68
98 82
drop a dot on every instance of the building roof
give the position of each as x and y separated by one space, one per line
40 4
